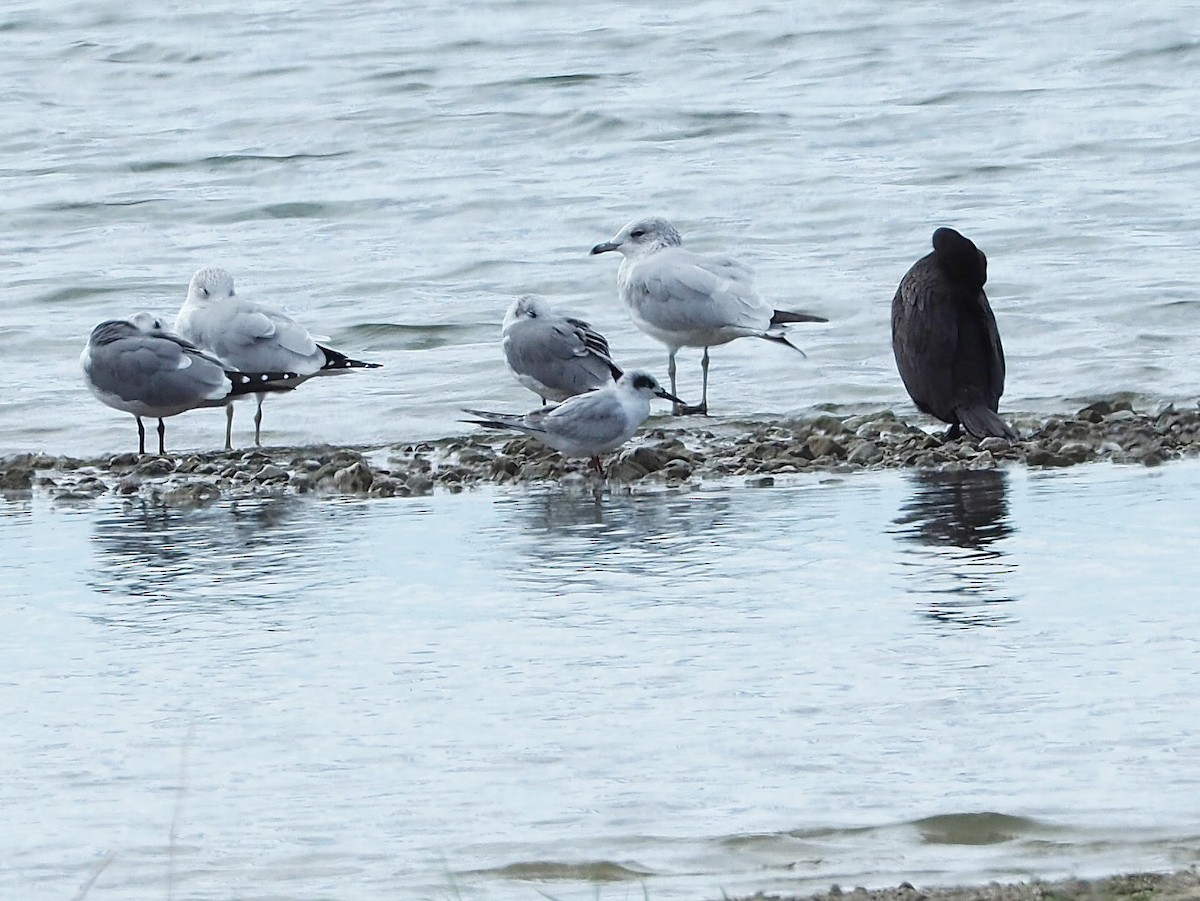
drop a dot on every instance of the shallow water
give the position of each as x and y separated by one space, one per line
396 177
502 693
499 693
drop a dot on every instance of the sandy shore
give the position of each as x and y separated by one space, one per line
679 453
1180 886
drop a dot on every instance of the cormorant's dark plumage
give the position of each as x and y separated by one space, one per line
945 338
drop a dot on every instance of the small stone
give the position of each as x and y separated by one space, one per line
983 460
1095 412
385 487
129 484
625 470
16 478
302 482
1040 456
824 446
865 454
474 456
354 479
677 469
995 445
158 466
271 473
645 457
829 424
505 466
419 484
1076 451
191 494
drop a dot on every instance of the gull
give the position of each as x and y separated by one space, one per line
589 424
686 299
136 366
252 337
945 339
552 355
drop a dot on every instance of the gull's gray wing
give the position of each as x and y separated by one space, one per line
162 373
251 338
679 291
565 355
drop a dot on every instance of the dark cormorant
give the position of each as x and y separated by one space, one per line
945 338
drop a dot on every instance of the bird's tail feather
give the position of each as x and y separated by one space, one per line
780 338
780 317
335 361
982 422
498 421
259 382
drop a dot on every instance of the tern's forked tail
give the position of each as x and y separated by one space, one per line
500 421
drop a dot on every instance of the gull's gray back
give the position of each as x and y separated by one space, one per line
556 357
249 337
688 299
148 373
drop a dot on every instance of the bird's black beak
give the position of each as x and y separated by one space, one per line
667 395
605 247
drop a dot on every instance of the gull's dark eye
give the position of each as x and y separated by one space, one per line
532 314
644 381
637 233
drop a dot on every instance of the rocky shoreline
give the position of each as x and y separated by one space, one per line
690 453
1183 885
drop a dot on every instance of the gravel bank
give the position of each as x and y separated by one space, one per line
690 451
1181 886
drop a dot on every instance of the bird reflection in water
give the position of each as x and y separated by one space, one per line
577 540
953 525
155 561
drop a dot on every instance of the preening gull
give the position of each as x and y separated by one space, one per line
552 355
136 366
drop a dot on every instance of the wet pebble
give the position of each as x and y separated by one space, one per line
354 479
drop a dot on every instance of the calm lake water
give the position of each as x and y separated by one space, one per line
892 676
397 175
500 693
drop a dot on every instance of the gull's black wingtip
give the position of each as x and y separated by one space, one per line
335 360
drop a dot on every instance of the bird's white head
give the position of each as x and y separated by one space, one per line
642 383
527 307
641 237
147 323
210 284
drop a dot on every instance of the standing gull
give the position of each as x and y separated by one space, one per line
136 366
253 337
686 299
945 339
554 356
589 424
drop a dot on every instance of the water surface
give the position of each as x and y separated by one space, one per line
397 176
495 694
